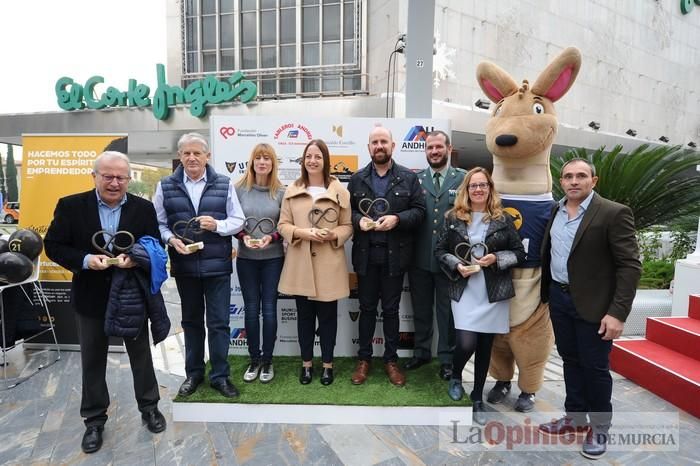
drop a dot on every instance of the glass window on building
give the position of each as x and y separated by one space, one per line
290 48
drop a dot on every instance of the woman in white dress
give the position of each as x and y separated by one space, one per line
477 232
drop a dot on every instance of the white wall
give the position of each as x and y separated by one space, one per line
640 57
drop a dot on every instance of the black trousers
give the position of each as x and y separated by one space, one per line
429 288
586 361
377 284
93 356
327 314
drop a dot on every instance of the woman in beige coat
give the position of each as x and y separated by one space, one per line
316 222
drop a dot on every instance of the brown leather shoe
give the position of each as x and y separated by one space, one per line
360 374
395 375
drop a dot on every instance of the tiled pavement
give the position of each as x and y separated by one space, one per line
40 424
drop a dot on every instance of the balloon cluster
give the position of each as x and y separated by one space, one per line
17 255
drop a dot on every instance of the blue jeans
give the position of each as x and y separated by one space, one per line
259 280
216 293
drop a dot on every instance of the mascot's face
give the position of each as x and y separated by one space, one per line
521 126
523 123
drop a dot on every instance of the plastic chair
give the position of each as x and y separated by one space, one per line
21 376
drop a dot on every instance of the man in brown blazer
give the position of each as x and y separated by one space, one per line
590 272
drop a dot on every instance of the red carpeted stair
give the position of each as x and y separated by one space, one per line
667 361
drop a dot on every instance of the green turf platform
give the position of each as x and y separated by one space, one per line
420 402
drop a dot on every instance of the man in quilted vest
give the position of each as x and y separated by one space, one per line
203 276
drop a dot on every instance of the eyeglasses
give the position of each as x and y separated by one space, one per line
110 178
474 186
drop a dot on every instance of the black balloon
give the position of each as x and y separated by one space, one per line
15 267
27 242
4 246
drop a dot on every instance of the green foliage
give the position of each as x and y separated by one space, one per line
682 245
12 191
2 181
659 184
146 187
649 241
656 274
685 223
423 386
657 267
138 188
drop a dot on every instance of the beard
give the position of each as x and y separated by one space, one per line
381 157
439 164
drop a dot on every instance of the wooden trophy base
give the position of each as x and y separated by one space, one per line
194 246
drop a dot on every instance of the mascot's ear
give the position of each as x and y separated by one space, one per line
559 75
495 82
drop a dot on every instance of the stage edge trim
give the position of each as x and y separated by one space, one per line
320 414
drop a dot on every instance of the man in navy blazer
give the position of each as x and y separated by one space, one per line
68 242
590 272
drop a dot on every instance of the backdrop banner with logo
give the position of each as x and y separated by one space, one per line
232 140
54 166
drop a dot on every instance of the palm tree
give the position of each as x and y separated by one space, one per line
660 184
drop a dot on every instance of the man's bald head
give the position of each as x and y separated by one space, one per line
382 130
381 145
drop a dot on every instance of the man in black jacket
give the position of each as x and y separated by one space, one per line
382 246
68 242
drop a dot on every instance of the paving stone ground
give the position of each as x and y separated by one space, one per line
40 424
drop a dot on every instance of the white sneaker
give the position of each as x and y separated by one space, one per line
267 373
252 372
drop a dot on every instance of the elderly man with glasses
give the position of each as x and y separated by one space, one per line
69 243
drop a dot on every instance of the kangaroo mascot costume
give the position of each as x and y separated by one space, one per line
519 135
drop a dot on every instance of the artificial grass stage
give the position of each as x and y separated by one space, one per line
423 386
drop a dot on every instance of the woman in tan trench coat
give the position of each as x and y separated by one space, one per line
316 222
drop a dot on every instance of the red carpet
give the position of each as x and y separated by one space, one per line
694 307
680 334
667 362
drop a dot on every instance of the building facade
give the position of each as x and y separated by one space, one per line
639 72
326 58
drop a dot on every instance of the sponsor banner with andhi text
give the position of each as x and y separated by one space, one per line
232 140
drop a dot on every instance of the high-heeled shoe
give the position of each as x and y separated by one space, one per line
306 375
327 376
